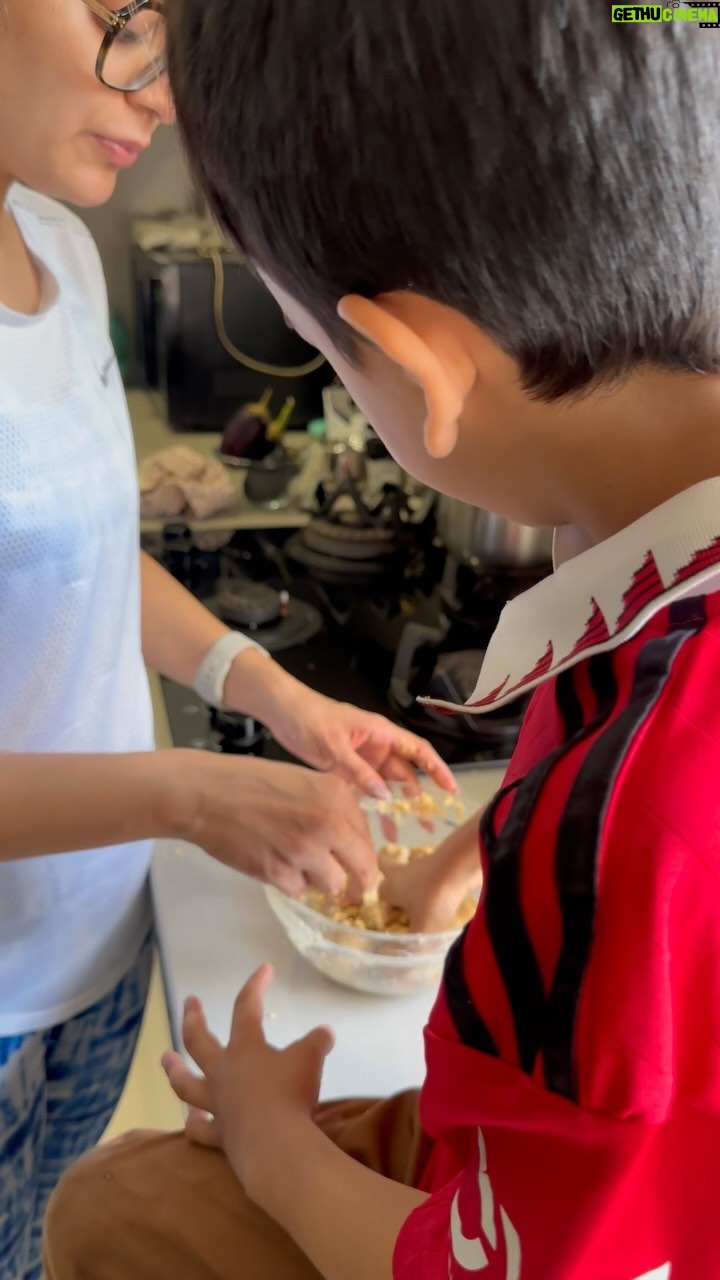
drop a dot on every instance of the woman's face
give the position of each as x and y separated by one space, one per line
62 132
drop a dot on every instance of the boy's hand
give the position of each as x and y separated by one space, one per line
258 1104
249 1094
431 889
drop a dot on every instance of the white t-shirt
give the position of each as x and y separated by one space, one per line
72 677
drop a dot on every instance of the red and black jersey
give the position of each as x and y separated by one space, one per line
573 1054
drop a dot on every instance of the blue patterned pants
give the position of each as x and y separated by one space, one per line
58 1091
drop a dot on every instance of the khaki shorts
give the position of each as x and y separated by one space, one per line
151 1206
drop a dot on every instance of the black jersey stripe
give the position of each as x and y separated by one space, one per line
578 843
467 1021
568 704
689 614
505 921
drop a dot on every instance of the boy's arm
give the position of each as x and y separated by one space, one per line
257 1103
344 1217
432 889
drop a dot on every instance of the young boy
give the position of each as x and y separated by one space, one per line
499 223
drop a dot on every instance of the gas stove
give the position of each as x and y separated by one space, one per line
379 649
442 659
353 541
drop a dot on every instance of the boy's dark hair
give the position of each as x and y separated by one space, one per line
551 174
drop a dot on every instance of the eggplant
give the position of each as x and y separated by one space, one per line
277 428
246 434
252 433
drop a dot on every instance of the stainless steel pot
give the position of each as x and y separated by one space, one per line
480 538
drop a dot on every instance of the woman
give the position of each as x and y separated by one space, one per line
82 90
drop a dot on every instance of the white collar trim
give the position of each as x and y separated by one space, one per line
596 601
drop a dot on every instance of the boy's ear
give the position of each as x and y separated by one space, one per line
420 336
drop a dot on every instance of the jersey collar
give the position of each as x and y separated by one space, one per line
601 598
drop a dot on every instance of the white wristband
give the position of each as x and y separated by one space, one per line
214 669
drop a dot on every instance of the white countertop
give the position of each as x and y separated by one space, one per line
215 928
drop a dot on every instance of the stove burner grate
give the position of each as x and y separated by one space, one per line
295 622
250 604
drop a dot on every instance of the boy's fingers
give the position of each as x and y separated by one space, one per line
321 1040
189 1088
199 1041
202 1129
390 867
249 1010
396 883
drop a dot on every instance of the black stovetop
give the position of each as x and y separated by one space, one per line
349 658
330 663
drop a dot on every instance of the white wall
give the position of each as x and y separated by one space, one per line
157 183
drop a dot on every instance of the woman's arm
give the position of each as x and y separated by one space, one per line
366 750
178 631
59 803
276 822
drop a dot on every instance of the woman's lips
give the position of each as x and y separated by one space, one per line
121 154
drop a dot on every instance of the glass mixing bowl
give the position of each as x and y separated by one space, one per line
387 964
384 964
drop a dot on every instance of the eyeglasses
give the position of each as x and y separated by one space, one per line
133 51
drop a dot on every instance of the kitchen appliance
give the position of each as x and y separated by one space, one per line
369 521
490 560
220 579
350 542
487 541
340 637
441 659
198 309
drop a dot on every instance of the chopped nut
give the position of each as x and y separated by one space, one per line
425 803
421 851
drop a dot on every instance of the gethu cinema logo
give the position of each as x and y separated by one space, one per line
706 16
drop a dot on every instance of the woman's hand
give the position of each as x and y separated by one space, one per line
250 1096
361 748
364 749
279 823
